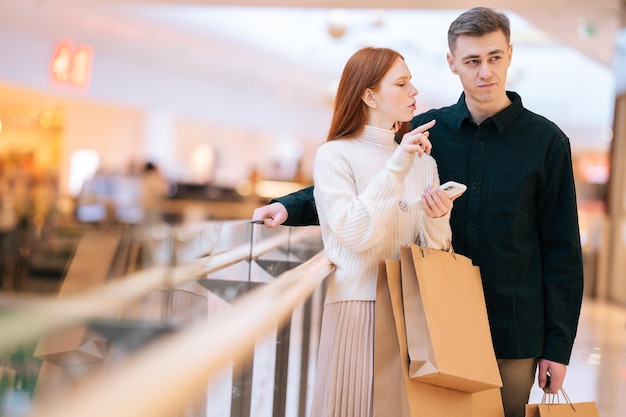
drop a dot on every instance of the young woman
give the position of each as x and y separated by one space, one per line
364 183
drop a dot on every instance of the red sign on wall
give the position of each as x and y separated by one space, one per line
70 65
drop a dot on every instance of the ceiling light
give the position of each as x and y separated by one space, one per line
379 17
606 133
337 25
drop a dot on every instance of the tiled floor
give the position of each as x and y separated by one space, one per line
597 370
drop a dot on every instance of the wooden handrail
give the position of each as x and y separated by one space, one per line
155 380
32 316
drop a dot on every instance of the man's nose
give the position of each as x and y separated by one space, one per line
485 70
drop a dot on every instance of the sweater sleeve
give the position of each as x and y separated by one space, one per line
436 232
358 220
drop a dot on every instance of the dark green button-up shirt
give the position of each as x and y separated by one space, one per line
517 221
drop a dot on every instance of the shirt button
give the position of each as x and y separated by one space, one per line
473 227
474 186
479 141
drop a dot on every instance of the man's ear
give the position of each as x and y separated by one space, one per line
451 64
368 99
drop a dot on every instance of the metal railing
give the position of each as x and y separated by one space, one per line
199 314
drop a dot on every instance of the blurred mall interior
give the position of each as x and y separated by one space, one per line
139 135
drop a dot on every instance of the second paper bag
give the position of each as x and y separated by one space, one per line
394 393
551 407
448 337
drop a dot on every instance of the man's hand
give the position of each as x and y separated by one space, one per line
557 375
272 215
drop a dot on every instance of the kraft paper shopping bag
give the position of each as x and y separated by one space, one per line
394 393
551 406
447 328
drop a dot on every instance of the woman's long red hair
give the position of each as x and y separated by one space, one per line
363 70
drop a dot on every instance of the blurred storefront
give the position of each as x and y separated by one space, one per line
79 121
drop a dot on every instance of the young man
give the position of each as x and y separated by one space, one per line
518 219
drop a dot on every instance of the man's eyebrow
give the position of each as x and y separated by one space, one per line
474 56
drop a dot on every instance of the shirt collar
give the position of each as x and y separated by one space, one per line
502 119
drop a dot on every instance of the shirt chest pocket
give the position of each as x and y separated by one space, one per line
510 208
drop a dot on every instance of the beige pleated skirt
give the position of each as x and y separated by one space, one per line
345 368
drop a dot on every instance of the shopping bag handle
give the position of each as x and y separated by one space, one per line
551 399
424 248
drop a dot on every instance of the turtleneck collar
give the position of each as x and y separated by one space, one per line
384 138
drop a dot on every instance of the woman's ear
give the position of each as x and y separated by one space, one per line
368 99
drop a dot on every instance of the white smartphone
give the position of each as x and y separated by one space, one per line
451 188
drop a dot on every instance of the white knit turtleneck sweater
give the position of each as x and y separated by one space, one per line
359 184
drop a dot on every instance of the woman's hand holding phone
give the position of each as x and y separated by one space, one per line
437 202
